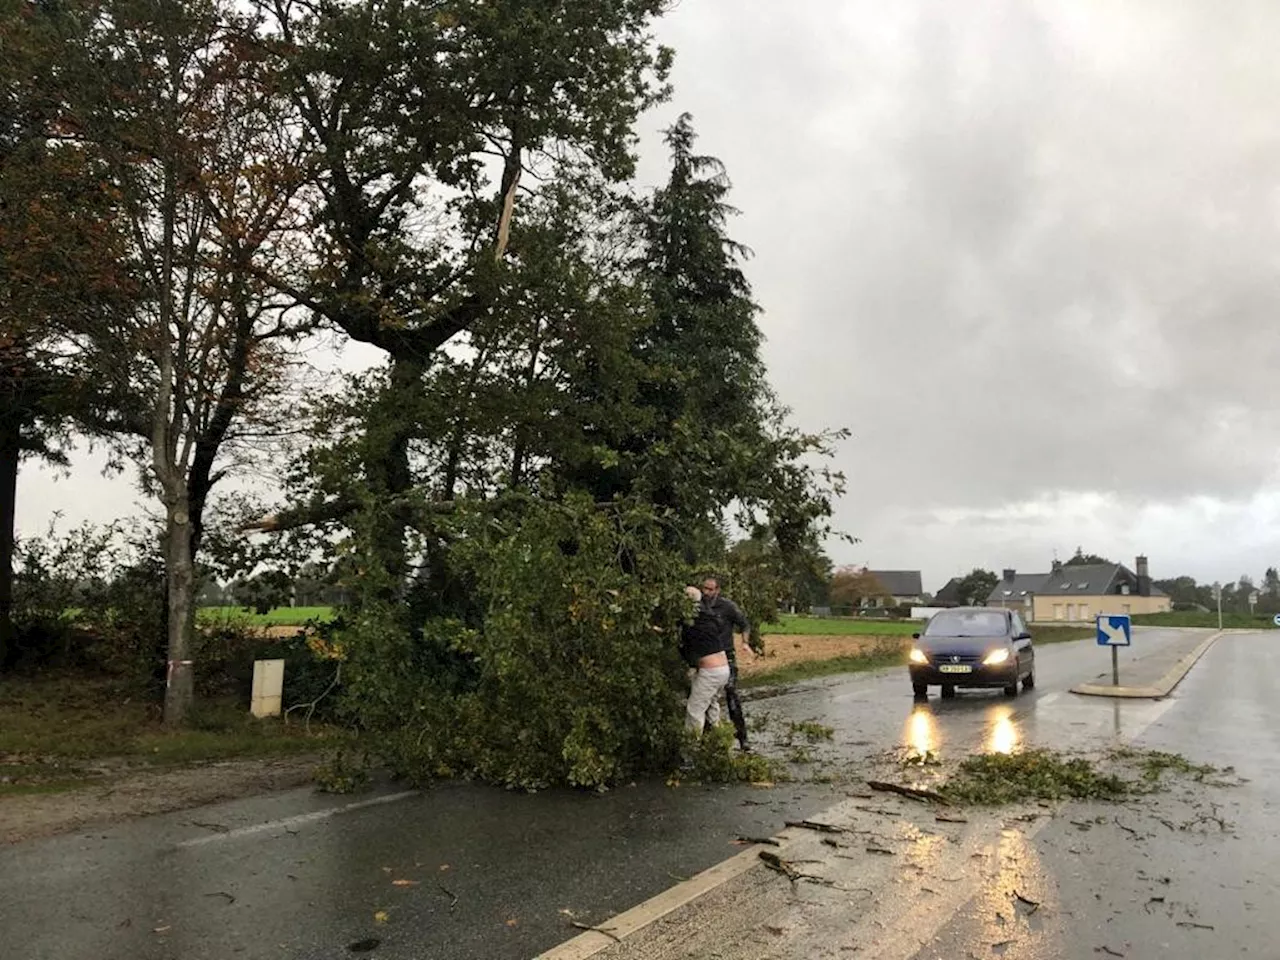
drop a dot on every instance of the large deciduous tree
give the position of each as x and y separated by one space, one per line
424 124
186 130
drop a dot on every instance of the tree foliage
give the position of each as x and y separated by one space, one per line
569 408
1081 559
592 429
975 587
851 586
60 251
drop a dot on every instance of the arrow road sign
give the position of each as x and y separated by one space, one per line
1114 631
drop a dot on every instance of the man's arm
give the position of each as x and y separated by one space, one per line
741 625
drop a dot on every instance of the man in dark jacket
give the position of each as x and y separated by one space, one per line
730 619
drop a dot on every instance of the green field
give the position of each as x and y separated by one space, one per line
798 625
279 617
1193 618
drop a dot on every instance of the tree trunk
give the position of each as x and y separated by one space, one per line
387 466
10 451
179 688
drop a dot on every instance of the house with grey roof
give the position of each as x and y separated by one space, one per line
1079 593
949 595
1017 591
897 586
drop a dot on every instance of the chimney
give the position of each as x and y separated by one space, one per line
1057 566
1144 576
1009 575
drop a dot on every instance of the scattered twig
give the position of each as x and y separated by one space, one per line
929 796
1108 951
1192 925
786 867
880 850
453 897
814 825
215 827
1128 830
751 840
586 926
311 707
220 893
880 813
943 818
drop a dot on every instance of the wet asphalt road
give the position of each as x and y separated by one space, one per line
1184 875
485 873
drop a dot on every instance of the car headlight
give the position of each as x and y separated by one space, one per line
996 656
917 656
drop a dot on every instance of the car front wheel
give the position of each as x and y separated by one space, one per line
921 691
948 692
1029 681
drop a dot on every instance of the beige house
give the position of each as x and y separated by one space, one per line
1077 594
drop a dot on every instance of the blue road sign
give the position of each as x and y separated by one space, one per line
1115 630
1277 619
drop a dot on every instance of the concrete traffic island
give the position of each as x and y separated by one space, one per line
1161 687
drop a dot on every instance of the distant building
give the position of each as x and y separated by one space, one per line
949 595
1017 591
896 587
1077 594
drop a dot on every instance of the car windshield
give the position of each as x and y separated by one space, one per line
967 623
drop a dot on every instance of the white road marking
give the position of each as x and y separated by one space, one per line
301 818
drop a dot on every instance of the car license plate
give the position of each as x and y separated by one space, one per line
955 668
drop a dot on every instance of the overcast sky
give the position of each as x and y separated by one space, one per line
1027 252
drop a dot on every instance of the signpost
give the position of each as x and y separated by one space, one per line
1217 592
1115 631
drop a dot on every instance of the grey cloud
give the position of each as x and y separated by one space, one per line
1048 224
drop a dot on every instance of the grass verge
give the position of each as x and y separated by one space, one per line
1208 621
1055 634
59 732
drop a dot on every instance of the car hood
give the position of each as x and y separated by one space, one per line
970 645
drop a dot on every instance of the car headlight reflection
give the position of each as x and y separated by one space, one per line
996 656
917 656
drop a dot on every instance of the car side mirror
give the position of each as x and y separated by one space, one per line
915 636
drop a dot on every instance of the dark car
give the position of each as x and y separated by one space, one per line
973 647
